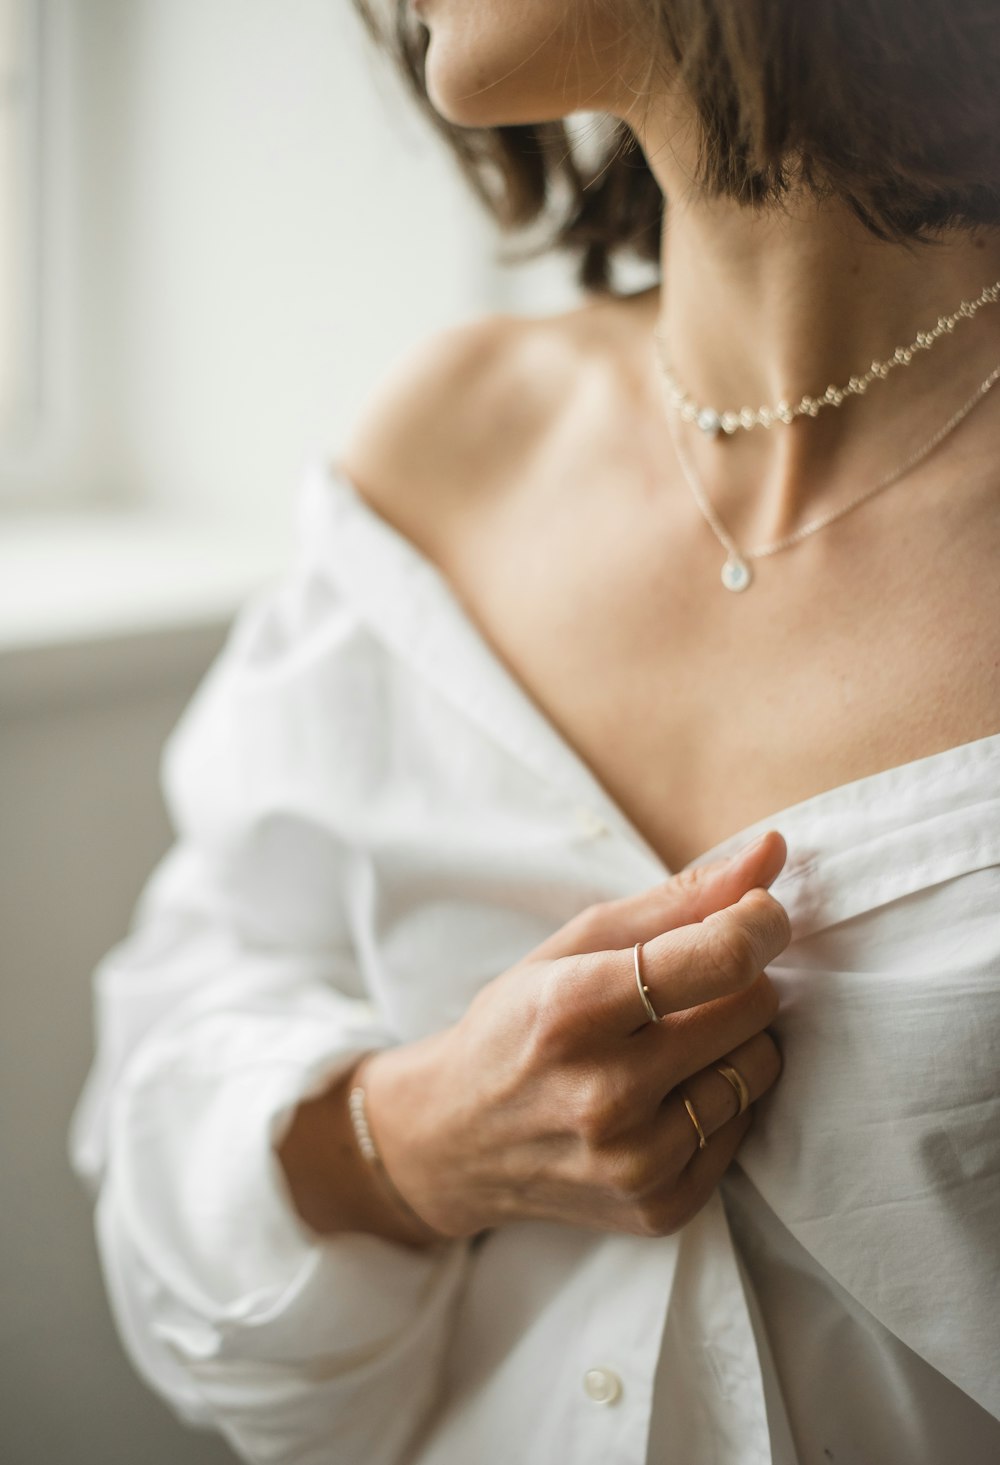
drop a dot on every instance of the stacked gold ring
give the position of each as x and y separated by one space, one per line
702 1141
733 1076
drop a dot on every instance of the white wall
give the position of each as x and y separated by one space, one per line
288 228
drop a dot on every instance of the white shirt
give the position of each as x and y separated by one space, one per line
373 819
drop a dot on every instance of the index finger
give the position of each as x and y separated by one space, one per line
715 957
690 895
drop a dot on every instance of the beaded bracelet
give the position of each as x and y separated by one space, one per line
368 1148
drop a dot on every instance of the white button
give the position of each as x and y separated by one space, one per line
590 822
601 1385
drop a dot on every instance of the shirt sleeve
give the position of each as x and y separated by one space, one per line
235 994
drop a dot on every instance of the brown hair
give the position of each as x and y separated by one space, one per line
891 105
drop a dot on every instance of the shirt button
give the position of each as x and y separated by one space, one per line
601 1385
590 822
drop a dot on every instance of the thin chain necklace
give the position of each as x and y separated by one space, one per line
712 421
736 572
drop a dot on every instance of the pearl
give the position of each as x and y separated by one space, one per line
709 422
736 574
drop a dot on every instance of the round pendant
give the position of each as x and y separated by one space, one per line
736 574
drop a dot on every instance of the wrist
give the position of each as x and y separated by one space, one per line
407 1116
414 1227
332 1187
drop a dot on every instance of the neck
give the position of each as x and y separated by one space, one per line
759 307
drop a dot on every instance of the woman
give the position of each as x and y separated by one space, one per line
420 1080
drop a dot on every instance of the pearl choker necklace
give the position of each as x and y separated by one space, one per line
711 421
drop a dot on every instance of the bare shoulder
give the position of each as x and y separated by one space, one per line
455 418
449 417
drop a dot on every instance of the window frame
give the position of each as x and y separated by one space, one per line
21 120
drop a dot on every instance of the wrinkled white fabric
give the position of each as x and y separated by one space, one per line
373 819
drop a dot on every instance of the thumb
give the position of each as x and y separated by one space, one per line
699 890
689 896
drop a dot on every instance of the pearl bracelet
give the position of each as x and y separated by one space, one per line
368 1148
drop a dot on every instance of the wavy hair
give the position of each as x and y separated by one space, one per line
892 106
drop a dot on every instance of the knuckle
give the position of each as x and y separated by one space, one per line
553 1030
597 1110
688 881
732 951
591 926
632 1174
773 928
567 1020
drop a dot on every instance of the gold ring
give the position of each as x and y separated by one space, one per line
702 1141
732 1075
643 989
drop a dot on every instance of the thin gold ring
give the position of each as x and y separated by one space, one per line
702 1141
733 1076
643 989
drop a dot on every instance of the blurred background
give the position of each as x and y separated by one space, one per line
219 221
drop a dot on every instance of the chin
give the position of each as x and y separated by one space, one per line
505 62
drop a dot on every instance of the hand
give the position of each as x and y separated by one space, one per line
555 1097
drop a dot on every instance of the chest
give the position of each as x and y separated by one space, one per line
702 711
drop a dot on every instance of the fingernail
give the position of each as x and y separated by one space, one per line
748 849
